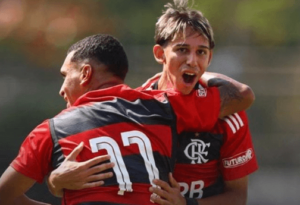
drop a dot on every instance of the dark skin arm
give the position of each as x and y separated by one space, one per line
235 96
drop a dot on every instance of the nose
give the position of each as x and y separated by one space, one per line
61 92
192 60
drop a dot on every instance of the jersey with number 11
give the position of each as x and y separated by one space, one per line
138 130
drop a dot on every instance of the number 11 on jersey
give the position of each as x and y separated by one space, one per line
113 149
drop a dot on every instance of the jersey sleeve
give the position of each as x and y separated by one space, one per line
237 153
34 155
197 111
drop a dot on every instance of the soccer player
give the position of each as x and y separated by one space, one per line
213 166
137 129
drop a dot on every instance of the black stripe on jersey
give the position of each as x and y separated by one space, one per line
99 114
212 190
57 157
210 149
109 112
138 172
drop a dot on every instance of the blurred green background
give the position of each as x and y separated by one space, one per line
257 42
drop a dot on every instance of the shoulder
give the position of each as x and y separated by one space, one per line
40 135
41 129
148 85
235 122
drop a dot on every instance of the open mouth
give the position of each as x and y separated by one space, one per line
188 77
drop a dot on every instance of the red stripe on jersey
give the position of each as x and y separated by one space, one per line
208 173
140 195
159 135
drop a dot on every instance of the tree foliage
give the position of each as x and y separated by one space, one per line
45 28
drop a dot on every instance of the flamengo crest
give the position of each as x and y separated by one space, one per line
201 92
195 151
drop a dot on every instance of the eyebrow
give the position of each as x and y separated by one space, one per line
187 45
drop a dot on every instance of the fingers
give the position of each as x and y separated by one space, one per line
96 160
93 184
164 185
169 194
99 177
161 193
173 182
72 156
99 168
158 200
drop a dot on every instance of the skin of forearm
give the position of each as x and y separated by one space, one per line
55 190
215 79
24 200
226 198
235 193
234 96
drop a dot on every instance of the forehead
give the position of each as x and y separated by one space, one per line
67 63
191 38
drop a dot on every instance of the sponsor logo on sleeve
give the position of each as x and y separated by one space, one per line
239 159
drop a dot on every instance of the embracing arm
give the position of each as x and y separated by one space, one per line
75 175
235 96
13 186
235 193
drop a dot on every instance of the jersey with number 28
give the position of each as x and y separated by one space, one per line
205 160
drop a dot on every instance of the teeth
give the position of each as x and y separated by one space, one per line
191 74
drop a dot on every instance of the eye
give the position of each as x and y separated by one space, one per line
201 52
182 50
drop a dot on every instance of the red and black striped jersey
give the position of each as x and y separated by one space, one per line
206 159
139 130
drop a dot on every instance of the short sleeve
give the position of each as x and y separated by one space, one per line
238 157
34 155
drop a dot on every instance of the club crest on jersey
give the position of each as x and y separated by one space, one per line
239 159
195 151
201 91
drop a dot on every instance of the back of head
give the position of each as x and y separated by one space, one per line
102 49
176 19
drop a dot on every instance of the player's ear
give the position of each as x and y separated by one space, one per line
159 54
86 74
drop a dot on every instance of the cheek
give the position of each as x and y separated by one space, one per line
203 64
69 87
174 65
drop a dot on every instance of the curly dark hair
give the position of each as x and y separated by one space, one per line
102 48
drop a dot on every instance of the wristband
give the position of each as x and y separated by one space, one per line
191 201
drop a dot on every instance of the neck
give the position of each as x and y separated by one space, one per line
164 82
108 85
102 84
